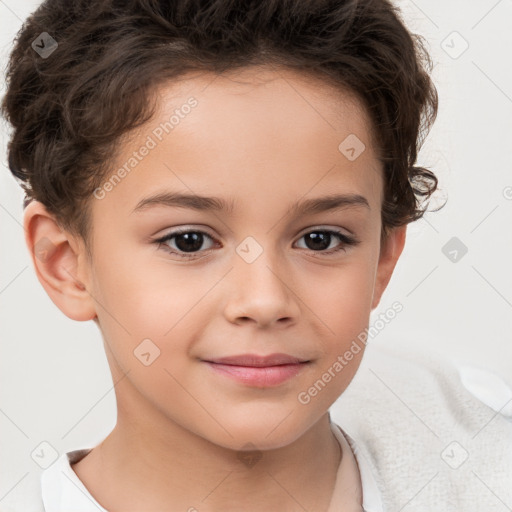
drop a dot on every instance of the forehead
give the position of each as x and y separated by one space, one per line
249 134
263 100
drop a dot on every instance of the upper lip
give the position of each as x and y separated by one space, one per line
257 360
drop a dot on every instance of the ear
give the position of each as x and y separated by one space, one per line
390 251
60 263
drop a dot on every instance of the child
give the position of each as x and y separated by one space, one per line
279 138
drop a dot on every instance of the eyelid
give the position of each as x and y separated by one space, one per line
184 229
327 227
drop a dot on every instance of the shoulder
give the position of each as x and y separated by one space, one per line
426 424
407 380
43 490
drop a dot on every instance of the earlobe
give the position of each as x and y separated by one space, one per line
57 263
391 250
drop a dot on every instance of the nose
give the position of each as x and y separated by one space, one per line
261 293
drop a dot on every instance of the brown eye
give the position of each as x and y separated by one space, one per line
321 239
189 242
185 242
318 240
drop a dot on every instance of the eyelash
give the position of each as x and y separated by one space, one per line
345 240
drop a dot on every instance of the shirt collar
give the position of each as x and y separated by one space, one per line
372 498
62 490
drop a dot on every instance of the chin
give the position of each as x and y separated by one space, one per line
260 432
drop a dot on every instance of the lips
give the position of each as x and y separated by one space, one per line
258 371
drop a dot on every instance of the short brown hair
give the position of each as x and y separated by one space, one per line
70 109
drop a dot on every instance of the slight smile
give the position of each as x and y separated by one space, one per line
258 371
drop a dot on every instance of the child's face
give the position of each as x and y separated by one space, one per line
261 148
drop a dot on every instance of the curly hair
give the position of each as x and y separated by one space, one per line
70 109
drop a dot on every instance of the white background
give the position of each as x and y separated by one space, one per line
55 382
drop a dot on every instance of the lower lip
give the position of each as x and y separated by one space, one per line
265 376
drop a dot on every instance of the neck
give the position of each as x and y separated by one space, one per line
149 461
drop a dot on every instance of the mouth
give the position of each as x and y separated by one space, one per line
258 371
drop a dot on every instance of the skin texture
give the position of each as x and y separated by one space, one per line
262 139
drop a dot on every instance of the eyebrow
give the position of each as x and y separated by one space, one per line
208 203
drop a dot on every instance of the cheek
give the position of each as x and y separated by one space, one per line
342 297
155 309
145 291
342 302
343 310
